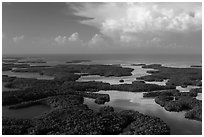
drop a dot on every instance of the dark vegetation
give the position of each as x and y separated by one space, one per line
175 76
197 90
73 118
36 93
173 100
90 86
70 116
144 125
6 78
121 80
10 60
9 63
23 83
187 103
7 67
196 66
12 126
33 89
139 87
78 61
138 82
102 70
172 92
102 99
195 113
66 77
22 60
137 64
32 61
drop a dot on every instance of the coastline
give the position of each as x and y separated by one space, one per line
119 83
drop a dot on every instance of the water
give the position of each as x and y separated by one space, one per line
199 97
28 112
187 89
138 72
135 101
178 60
24 113
162 83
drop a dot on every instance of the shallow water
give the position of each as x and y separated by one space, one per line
162 83
28 112
135 101
187 89
137 72
178 60
199 97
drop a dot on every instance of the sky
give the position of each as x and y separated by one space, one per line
93 28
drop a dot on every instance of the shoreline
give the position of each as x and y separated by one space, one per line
60 80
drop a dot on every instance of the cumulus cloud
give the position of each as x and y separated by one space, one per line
64 39
74 37
130 22
60 39
127 38
18 38
156 40
97 40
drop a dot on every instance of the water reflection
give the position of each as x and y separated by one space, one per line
28 112
162 83
199 97
187 89
135 101
137 72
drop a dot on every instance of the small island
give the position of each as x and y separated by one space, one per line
121 80
78 61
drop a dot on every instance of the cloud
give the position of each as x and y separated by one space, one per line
156 40
17 39
137 17
74 37
65 39
127 38
61 39
133 22
97 40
